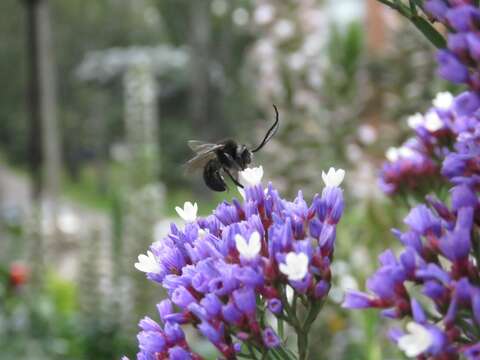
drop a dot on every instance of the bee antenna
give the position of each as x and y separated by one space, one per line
270 133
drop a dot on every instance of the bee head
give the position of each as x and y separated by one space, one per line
244 155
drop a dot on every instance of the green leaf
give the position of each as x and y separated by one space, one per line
429 31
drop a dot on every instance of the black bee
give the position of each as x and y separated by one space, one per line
226 157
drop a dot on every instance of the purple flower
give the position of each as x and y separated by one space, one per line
466 104
440 258
472 352
422 220
275 306
436 8
473 40
458 44
223 271
357 300
214 335
451 68
182 297
245 300
178 353
462 18
270 338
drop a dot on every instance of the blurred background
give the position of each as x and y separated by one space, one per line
98 101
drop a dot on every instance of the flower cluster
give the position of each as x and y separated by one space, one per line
439 260
440 257
458 61
421 158
227 273
415 165
435 280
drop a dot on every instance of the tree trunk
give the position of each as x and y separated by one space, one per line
35 138
48 101
199 72
44 152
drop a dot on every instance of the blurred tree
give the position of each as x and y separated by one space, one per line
199 40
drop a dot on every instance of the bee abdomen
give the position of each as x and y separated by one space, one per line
212 176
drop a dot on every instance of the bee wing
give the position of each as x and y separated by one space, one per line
199 161
201 146
205 152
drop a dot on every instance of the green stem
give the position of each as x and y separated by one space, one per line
302 344
283 353
280 328
251 352
423 25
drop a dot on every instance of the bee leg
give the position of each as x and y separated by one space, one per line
235 181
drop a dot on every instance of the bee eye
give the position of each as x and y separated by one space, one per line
246 156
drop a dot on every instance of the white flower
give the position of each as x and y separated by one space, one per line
367 134
405 152
284 29
251 176
264 14
68 222
392 154
443 100
433 121
148 263
249 250
295 267
189 211
202 233
417 341
333 177
415 121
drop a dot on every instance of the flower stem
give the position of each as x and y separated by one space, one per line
302 344
280 328
423 25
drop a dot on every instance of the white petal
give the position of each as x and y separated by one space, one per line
189 211
180 212
392 154
147 263
415 121
406 152
251 249
443 100
433 121
295 267
333 177
251 176
417 341
241 244
254 243
284 268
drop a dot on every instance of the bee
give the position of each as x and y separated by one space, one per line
226 157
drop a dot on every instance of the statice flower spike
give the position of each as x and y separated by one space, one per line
189 211
440 257
224 272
